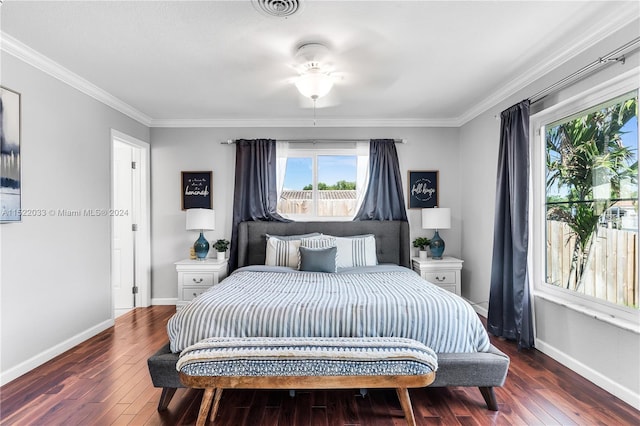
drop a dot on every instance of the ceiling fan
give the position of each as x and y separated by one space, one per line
316 72
323 66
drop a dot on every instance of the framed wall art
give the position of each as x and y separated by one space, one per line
10 168
196 190
423 189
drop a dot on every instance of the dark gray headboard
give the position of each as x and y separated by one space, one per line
392 237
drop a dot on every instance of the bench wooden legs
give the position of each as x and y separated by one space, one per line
210 395
405 402
213 395
216 403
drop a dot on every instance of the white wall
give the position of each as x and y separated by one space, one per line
174 150
601 352
55 271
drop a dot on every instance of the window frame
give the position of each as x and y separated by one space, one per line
313 153
611 312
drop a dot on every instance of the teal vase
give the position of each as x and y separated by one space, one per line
201 247
437 246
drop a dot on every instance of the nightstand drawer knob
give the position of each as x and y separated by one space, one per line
440 279
198 281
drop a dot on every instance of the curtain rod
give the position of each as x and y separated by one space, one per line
232 141
610 57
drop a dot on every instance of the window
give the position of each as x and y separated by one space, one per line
322 184
585 192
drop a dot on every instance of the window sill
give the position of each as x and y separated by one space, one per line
609 319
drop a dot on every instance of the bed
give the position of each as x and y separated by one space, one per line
354 302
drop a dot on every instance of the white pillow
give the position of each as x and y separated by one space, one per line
318 241
282 252
359 250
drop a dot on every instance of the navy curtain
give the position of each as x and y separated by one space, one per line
255 195
509 300
384 199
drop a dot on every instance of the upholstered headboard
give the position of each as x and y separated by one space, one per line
392 237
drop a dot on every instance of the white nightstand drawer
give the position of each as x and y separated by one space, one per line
198 278
193 292
440 277
444 273
449 287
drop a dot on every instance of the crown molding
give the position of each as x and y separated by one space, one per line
569 50
37 60
306 122
607 25
30 56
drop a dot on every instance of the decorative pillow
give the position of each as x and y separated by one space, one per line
317 242
359 250
318 259
282 252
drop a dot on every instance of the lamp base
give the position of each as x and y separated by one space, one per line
437 246
201 247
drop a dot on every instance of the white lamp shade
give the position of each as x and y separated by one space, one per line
201 220
314 84
436 218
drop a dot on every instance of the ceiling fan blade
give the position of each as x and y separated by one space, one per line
355 59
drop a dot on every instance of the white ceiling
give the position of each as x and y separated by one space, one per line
224 63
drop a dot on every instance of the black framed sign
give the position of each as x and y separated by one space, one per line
423 189
196 190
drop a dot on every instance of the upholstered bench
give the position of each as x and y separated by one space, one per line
162 369
305 363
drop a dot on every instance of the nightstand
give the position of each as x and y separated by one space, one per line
444 273
197 276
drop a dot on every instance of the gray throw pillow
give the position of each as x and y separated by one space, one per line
318 260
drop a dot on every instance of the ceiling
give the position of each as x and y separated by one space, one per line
224 63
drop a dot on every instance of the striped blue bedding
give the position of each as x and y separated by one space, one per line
381 302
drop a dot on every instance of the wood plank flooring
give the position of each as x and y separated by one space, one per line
105 381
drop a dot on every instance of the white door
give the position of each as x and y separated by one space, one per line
123 244
130 204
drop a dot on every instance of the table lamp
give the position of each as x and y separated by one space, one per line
436 218
201 220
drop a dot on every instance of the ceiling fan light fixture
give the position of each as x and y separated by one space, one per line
314 84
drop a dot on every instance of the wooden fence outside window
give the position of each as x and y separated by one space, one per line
331 203
612 269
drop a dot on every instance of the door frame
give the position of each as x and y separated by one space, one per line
143 234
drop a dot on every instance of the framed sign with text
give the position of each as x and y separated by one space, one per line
423 189
196 190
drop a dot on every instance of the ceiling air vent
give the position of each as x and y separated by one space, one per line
277 8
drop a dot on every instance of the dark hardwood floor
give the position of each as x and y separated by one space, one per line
105 381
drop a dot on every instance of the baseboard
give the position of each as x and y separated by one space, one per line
479 309
49 354
164 301
622 392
